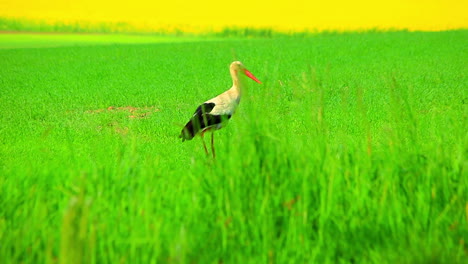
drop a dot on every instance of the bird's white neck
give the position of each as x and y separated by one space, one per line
237 81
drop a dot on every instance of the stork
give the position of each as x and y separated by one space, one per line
215 113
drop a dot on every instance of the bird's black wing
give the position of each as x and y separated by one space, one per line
200 120
204 109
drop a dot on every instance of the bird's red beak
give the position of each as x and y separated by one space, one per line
251 76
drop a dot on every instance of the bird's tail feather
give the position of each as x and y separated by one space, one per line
189 131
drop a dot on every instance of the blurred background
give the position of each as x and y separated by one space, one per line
214 15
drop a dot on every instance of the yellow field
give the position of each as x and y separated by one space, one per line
292 15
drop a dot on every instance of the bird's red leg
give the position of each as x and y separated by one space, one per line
203 140
212 145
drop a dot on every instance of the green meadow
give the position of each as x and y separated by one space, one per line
352 150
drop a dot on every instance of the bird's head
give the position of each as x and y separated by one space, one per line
237 67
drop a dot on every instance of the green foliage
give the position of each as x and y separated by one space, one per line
247 32
353 150
8 24
32 25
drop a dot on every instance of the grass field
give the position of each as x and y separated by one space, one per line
353 150
53 40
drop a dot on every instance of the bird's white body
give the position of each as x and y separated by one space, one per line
226 103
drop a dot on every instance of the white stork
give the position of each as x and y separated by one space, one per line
214 113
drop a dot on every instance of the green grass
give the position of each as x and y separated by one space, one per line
43 40
353 150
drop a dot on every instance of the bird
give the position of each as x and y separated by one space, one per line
214 113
